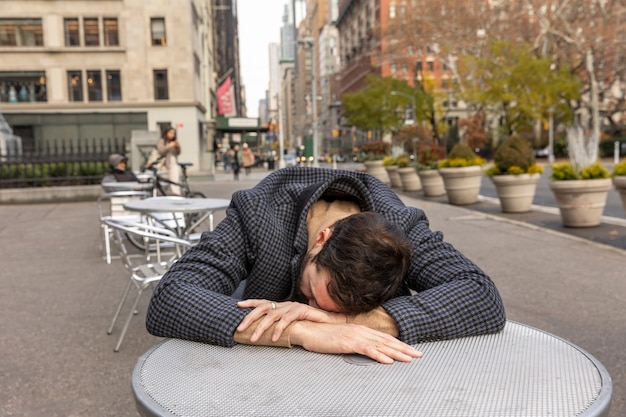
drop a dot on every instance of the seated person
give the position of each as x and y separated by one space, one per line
118 172
333 261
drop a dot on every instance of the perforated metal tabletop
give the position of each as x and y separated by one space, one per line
521 371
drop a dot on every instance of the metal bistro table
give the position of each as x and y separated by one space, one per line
521 371
154 207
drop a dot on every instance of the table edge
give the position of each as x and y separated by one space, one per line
600 407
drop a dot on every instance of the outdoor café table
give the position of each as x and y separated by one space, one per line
110 187
521 371
154 207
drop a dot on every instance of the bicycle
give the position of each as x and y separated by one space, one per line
159 185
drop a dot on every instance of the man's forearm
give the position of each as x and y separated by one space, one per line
377 319
266 338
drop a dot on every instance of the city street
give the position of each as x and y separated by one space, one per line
58 296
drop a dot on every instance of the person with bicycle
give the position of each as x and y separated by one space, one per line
164 158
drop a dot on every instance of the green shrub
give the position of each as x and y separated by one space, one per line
514 152
389 160
620 168
564 171
461 155
403 161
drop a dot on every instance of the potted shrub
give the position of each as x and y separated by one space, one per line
373 161
581 185
462 172
515 174
427 160
619 180
408 175
391 166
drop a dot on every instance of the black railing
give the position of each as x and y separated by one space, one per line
58 162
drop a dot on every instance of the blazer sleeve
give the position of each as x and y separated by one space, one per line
192 300
452 297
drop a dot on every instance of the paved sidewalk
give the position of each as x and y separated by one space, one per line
57 297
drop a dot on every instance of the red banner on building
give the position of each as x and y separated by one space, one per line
225 99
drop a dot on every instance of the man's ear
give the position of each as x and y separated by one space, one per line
322 236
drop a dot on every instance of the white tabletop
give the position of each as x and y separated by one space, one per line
171 204
521 371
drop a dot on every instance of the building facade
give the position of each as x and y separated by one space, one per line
79 70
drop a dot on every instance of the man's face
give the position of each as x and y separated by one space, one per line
313 285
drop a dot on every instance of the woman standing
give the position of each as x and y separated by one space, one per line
168 149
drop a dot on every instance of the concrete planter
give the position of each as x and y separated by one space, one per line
619 182
462 184
432 183
516 192
581 202
394 176
409 178
377 169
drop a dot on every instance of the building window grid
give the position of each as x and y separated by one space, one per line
21 32
114 85
75 86
161 88
157 30
111 31
91 31
22 86
94 85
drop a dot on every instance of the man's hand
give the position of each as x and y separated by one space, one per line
351 338
283 314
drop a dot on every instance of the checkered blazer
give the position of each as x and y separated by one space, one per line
263 239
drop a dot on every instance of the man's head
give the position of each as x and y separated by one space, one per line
356 265
117 161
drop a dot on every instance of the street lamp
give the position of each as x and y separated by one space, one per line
410 97
310 42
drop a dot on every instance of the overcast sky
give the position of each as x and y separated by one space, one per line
259 25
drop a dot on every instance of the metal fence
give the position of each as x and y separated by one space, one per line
59 162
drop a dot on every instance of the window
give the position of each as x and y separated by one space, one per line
111 32
161 90
157 27
72 36
431 66
94 85
75 85
114 86
91 31
419 66
392 10
22 86
21 32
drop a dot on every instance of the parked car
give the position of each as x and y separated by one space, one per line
290 160
542 152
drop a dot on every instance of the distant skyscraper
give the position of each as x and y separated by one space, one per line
287 35
274 87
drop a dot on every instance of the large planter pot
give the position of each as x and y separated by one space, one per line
394 176
581 202
516 192
620 185
432 183
377 169
462 184
409 178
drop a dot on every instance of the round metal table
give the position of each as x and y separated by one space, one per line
521 371
152 206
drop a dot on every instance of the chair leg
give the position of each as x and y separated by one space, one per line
130 316
107 244
119 307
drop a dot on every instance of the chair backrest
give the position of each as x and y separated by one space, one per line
150 233
116 201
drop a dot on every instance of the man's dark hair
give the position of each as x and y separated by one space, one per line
367 258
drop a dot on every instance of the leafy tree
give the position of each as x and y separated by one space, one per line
511 81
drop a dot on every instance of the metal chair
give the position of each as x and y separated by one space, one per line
111 206
141 276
